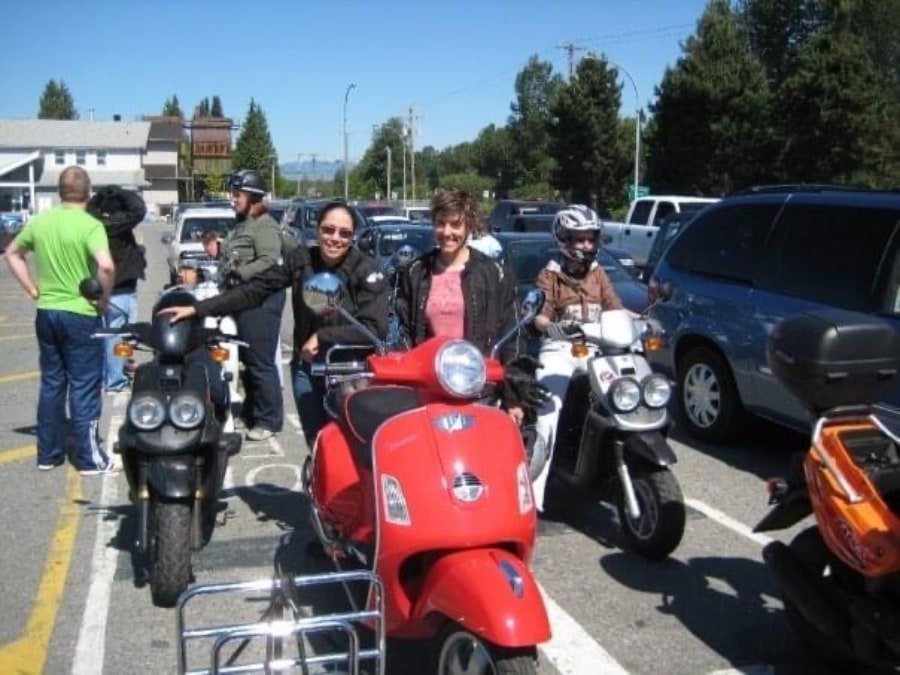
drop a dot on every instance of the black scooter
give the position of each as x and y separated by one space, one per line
173 447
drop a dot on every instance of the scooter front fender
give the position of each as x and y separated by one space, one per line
650 446
490 592
172 480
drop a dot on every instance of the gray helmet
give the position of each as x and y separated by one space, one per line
247 180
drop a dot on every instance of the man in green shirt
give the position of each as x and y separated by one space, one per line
68 245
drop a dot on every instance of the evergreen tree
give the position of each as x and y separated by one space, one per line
57 103
592 164
536 86
711 132
776 30
372 168
203 109
254 148
832 111
171 107
492 157
216 107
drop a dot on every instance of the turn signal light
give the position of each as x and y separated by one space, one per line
219 354
579 350
123 350
653 343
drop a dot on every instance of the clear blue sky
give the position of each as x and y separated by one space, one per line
455 61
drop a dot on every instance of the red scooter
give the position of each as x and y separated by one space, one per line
428 487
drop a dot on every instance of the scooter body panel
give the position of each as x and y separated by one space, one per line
501 602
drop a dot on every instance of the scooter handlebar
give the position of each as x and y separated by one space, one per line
340 368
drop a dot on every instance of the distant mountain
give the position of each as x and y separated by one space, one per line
321 170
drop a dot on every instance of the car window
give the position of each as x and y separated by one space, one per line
727 242
527 259
641 213
832 254
193 229
422 240
692 207
611 266
663 209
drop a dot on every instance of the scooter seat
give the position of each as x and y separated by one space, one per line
367 409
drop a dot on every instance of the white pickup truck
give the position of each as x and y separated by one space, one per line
645 214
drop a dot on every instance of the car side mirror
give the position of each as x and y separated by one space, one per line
666 291
90 289
533 302
322 293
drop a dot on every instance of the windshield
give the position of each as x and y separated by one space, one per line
419 214
421 240
692 207
193 229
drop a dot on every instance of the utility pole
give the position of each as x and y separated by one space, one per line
411 129
346 163
388 149
299 171
570 48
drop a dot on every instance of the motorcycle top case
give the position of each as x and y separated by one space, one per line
832 358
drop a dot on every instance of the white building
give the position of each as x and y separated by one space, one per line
34 152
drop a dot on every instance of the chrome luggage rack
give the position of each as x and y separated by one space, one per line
289 631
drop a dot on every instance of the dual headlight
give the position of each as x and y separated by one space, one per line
460 369
626 394
185 411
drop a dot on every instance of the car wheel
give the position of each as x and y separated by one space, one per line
709 403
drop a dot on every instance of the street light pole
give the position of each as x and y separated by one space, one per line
299 171
346 167
637 127
272 184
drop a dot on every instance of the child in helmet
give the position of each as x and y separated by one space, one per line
577 290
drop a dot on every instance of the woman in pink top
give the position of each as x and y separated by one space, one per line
459 292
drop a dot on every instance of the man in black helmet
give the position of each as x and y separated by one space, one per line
251 248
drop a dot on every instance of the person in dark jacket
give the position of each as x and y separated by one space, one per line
120 211
458 291
365 296
250 249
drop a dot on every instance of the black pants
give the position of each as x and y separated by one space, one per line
260 326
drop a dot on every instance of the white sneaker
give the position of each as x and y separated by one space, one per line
259 434
111 467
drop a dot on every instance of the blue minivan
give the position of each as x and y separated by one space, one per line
751 260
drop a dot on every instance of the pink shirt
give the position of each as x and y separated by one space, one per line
445 310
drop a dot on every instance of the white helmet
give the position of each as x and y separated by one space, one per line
572 220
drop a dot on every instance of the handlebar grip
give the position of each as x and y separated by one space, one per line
342 368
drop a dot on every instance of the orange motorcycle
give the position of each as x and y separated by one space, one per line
840 580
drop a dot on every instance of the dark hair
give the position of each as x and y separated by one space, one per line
456 201
331 206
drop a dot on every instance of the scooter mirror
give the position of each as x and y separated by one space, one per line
533 302
405 255
90 289
322 293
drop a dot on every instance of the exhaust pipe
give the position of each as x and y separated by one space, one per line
809 596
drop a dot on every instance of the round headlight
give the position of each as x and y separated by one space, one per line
657 391
625 395
186 411
146 413
460 369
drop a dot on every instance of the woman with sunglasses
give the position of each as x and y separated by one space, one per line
458 291
365 296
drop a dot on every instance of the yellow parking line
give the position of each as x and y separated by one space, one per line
20 376
17 454
28 654
17 337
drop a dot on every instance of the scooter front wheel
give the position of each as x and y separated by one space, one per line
170 551
660 527
459 652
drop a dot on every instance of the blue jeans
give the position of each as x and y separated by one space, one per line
71 366
309 397
125 311
259 327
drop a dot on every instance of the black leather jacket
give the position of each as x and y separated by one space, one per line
365 296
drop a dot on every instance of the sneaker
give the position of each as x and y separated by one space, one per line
50 467
111 467
240 423
259 434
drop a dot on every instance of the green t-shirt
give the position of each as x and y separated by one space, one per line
64 241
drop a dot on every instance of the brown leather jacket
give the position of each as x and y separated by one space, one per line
570 299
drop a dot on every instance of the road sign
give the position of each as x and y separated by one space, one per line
642 191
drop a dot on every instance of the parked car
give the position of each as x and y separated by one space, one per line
416 213
11 223
505 210
382 241
186 242
302 214
668 230
746 263
368 209
277 209
378 221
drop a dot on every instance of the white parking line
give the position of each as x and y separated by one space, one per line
571 650
729 522
91 646
294 419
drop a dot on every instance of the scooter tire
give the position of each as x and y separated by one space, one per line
455 642
660 528
170 551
